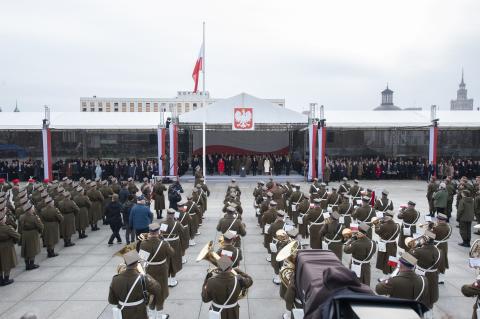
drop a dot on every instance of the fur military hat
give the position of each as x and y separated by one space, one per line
388 213
334 188
411 203
132 257
356 181
79 189
171 211
317 200
153 227
234 205
385 192
44 194
22 193
273 203
145 179
23 200
64 179
281 213
66 194
264 188
293 232
60 189
229 235
345 179
323 185
224 263
40 188
306 195
261 182
48 200
231 209
408 260
97 179
198 186
104 182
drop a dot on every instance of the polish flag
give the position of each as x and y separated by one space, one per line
198 67
392 261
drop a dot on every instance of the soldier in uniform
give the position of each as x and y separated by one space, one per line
171 231
294 200
383 204
4 186
184 219
473 290
345 209
442 231
96 209
331 232
302 210
465 216
388 231
409 216
132 188
107 197
30 227
333 200
355 191
159 198
431 189
428 259
233 186
84 204
115 186
277 225
233 223
69 210
136 286
314 187
364 214
451 190
51 218
158 252
344 187
362 249
407 284
146 191
223 289
228 249
194 211
313 220
323 195
8 257
198 174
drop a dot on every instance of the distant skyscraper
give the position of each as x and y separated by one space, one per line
462 103
387 102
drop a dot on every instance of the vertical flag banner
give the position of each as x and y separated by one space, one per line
198 67
173 134
322 139
312 141
161 149
47 153
432 147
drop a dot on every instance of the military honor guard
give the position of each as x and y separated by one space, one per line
52 219
388 231
8 238
465 216
69 210
364 214
233 223
409 216
442 231
362 249
331 232
314 221
84 204
227 248
95 212
171 231
30 227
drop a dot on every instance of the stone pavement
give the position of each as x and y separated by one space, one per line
75 284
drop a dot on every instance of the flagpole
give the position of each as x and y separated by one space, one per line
204 152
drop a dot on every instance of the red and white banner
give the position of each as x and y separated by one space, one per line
312 145
161 150
243 119
47 153
173 135
392 261
198 67
432 147
322 139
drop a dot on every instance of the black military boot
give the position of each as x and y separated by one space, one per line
158 215
27 264
80 234
83 234
33 265
51 253
6 280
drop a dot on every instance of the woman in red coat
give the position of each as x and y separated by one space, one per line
378 171
221 166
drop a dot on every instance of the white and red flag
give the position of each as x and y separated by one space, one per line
198 67
392 261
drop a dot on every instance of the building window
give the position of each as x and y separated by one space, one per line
92 109
179 108
84 104
124 107
147 107
187 107
280 104
194 106
92 104
139 106
100 109
108 108
132 107
84 109
155 107
100 104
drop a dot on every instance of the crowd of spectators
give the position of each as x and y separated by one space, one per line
232 164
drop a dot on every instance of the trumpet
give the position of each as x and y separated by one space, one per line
376 221
411 242
347 233
429 225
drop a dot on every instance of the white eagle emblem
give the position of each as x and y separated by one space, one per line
243 118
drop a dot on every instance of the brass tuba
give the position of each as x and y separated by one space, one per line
411 242
288 255
125 249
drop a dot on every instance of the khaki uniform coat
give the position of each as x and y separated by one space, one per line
84 204
388 231
362 249
172 236
312 220
409 216
51 218
8 257
30 227
159 196
332 235
96 209
428 257
406 285
229 222
443 232
69 210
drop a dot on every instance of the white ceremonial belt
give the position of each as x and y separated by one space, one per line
388 241
356 261
332 205
224 306
131 304
156 263
426 270
298 301
437 242
322 199
328 241
312 224
409 225
171 239
192 214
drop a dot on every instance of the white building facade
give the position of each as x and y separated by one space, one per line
184 102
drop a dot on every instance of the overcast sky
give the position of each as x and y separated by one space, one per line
337 53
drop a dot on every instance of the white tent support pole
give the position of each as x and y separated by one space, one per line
204 148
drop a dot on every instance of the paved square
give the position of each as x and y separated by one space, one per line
75 284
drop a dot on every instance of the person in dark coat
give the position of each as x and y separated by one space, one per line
159 198
114 218
465 216
126 207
